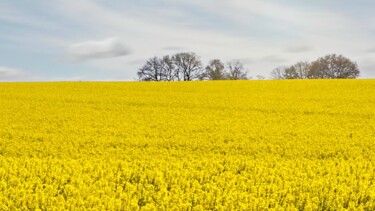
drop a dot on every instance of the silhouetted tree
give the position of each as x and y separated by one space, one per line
157 69
188 66
168 69
151 71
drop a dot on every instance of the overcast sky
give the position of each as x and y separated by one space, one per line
48 40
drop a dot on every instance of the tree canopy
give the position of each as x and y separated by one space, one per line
187 67
327 67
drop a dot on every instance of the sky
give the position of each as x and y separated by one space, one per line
99 40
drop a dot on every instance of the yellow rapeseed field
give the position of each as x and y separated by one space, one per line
227 145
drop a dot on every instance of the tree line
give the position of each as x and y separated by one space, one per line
328 67
187 66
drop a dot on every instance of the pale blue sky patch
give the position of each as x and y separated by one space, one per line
109 40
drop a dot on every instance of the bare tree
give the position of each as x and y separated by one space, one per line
330 66
188 66
157 69
168 68
297 71
285 72
302 69
151 71
278 73
290 73
333 66
215 70
235 70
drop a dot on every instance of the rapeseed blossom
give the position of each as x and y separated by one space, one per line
227 145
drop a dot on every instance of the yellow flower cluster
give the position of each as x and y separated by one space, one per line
227 145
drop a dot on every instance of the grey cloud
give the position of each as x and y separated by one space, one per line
172 48
273 59
91 50
247 60
136 61
299 49
371 50
367 68
11 74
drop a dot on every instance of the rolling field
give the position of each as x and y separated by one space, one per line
227 145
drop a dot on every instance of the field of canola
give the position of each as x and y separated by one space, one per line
229 145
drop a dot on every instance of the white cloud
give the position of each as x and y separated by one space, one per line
12 74
91 50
